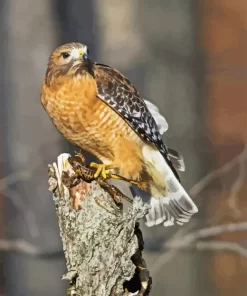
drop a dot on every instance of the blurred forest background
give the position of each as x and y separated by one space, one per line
188 57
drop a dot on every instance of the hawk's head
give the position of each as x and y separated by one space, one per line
69 59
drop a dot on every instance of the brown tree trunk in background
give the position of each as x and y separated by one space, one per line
224 25
30 143
154 44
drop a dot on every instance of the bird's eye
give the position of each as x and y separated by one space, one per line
65 55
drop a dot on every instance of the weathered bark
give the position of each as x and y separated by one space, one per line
100 241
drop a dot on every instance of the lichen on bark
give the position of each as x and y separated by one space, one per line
99 239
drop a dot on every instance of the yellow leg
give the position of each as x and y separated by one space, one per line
103 171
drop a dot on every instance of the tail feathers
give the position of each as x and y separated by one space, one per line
176 207
158 214
170 210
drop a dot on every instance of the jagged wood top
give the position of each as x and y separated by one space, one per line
98 243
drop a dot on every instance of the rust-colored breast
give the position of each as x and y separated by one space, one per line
85 120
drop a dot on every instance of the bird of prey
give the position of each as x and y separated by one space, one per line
96 108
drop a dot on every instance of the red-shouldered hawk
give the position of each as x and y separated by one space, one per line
96 108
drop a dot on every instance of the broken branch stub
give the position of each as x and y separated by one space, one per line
99 239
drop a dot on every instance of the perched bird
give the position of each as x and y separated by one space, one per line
96 108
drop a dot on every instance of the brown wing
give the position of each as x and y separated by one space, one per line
118 92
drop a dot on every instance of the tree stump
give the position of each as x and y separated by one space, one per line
102 244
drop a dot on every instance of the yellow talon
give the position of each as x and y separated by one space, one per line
101 170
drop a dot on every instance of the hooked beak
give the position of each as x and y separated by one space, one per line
83 55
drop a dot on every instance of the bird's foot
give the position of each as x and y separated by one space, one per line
89 175
102 170
141 185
